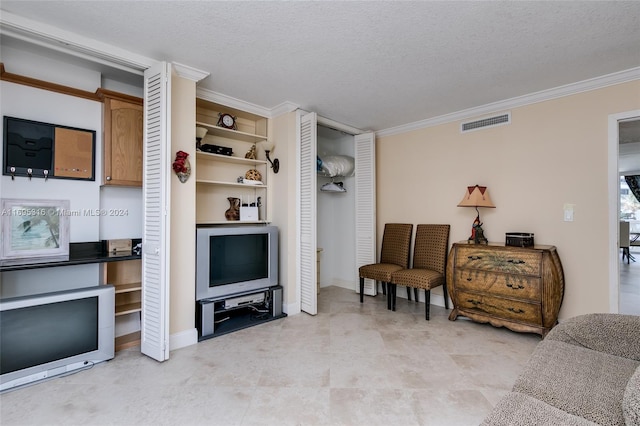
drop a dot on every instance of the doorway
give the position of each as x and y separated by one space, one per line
624 160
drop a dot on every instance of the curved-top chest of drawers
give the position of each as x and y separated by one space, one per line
514 287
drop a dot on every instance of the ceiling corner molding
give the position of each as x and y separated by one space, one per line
283 108
219 98
188 72
15 26
519 101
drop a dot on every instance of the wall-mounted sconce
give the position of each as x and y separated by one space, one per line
201 132
268 147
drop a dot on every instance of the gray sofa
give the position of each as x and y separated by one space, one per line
585 372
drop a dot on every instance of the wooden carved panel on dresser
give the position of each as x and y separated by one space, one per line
515 287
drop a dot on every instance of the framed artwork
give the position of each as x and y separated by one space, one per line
34 231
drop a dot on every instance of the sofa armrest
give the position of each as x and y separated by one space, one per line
614 334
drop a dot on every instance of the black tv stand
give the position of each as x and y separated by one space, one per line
218 316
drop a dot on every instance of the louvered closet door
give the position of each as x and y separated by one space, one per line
365 194
155 192
307 213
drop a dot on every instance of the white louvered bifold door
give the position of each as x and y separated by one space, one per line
365 193
155 194
307 213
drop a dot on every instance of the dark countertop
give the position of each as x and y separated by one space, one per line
79 254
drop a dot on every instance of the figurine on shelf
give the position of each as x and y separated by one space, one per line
251 154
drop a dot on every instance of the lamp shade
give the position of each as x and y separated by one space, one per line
200 132
267 145
476 196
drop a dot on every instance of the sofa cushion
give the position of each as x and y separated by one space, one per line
580 381
615 334
631 400
517 409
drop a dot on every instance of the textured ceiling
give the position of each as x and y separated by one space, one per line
371 65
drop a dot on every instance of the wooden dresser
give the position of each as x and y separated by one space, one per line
513 287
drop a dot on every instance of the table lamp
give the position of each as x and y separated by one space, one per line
477 196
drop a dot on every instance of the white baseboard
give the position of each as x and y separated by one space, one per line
183 339
291 308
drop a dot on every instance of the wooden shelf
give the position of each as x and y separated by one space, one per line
224 183
232 222
228 158
127 341
128 308
125 288
214 130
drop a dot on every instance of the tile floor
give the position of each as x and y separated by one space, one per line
351 364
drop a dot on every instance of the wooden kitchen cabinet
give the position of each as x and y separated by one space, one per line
514 287
122 154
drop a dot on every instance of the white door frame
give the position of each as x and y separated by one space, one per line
614 207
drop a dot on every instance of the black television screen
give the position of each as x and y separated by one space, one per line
238 258
40 334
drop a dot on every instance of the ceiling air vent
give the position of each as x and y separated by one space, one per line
496 120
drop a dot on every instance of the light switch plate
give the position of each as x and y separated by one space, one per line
568 212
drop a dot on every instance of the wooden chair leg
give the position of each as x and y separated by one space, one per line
409 294
384 287
415 293
394 289
361 290
389 293
446 297
427 302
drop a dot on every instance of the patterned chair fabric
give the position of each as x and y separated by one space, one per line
429 263
394 255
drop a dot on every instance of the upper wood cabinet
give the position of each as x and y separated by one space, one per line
122 154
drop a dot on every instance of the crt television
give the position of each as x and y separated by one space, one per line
50 334
233 260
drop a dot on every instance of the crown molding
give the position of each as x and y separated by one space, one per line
283 108
532 98
188 72
222 99
15 26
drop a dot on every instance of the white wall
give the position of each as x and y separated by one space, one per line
335 224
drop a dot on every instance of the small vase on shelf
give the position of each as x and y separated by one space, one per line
233 212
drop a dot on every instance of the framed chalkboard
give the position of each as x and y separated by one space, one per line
41 150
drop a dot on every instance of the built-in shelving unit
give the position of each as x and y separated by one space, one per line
217 175
126 278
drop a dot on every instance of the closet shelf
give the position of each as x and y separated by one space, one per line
214 130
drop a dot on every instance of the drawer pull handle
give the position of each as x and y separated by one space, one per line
515 287
516 261
474 302
469 279
516 311
474 257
